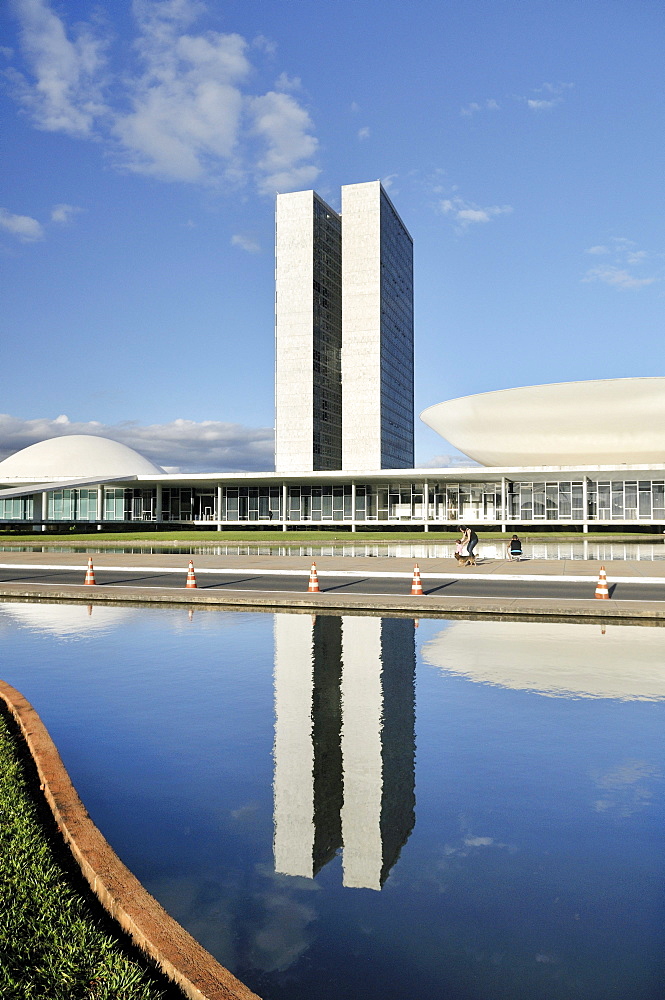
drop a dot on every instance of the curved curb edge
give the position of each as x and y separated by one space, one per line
179 956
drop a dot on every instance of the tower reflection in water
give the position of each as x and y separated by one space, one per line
344 744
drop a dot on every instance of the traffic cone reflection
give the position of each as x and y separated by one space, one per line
90 574
602 593
416 585
191 578
313 587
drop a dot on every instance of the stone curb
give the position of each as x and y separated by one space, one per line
175 952
401 605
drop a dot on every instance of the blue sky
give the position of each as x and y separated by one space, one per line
521 142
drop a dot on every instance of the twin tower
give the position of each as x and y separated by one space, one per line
344 333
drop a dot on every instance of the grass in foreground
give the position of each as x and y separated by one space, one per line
52 943
297 537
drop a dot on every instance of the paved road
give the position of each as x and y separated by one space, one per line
637 590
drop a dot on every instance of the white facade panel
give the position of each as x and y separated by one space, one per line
361 326
294 233
377 332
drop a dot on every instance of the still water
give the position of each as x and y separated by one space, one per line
583 549
373 808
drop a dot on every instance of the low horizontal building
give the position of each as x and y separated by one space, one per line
88 481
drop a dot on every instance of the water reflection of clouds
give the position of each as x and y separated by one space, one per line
624 789
554 659
67 621
275 922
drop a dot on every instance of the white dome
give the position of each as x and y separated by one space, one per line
617 421
75 456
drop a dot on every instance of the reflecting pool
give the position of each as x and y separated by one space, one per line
489 549
373 808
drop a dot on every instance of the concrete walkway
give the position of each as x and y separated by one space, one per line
568 570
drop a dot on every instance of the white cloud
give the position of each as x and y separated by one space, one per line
285 128
264 44
23 227
181 445
64 213
616 276
553 96
474 107
181 110
245 243
466 214
619 270
67 71
364 133
286 82
541 105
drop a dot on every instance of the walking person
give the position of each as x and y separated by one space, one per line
471 541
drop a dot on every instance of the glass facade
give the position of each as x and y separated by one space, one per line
72 505
438 503
16 509
397 402
252 503
327 339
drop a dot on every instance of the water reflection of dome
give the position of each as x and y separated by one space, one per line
67 620
560 660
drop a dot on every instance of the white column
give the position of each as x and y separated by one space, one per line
220 499
285 510
503 503
44 509
100 507
158 503
426 503
353 506
585 506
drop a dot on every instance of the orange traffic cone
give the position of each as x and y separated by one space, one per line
191 579
602 593
90 574
313 587
416 586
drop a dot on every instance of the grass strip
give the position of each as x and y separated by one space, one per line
298 537
53 942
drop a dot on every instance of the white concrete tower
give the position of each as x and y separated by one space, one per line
377 332
308 334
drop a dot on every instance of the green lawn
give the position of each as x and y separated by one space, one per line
54 942
291 537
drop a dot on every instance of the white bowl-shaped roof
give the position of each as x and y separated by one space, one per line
607 422
559 660
75 456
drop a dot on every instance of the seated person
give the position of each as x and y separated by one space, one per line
514 549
